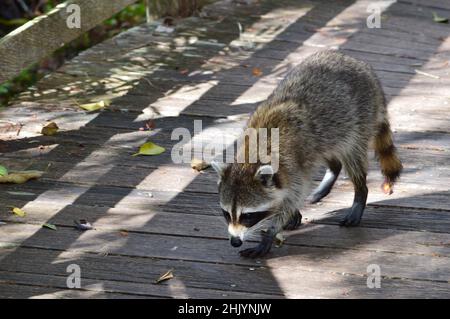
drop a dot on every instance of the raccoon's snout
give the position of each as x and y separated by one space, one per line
235 241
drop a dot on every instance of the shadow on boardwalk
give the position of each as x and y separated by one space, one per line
114 271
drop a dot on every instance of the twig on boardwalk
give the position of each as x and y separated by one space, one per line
427 74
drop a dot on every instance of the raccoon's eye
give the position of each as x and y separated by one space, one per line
251 219
226 215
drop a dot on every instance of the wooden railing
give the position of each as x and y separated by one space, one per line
43 35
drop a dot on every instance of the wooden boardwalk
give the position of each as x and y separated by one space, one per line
152 215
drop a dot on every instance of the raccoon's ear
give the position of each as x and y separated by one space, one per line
265 174
218 167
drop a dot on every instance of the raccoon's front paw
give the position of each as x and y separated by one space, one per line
255 252
294 222
259 251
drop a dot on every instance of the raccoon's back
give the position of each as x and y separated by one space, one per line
332 89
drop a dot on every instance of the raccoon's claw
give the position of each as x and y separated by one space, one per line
259 251
294 222
353 217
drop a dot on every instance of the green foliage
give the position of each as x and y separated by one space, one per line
10 88
50 4
131 15
176 8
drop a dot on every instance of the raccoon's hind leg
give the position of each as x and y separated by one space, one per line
331 175
356 167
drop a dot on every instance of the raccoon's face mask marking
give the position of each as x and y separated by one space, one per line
247 199
244 222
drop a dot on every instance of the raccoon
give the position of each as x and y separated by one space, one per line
327 109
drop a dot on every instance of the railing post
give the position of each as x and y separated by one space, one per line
147 11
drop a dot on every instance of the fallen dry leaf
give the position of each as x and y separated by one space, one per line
83 225
166 276
123 233
17 211
90 107
50 129
199 165
149 148
439 19
427 74
257 72
20 177
49 226
21 193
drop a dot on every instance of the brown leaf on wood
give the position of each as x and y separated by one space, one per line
257 71
50 129
17 211
199 165
83 225
166 276
20 177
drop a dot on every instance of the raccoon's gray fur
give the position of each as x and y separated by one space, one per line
327 109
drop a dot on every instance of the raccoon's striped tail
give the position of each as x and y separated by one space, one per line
386 153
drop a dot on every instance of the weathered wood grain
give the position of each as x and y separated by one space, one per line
27 290
288 258
204 71
93 288
431 3
417 229
134 271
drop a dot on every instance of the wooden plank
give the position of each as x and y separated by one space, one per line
197 186
154 176
430 3
106 153
136 272
38 38
137 276
96 129
288 257
93 288
10 290
418 228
